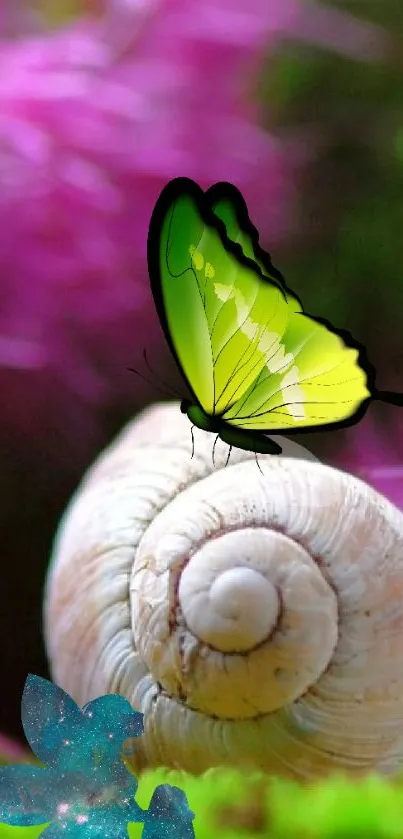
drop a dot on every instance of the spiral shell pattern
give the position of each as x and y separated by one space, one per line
253 615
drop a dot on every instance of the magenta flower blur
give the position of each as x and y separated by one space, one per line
96 115
95 118
373 451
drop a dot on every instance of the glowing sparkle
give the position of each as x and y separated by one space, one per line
81 819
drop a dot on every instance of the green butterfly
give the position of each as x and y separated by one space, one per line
253 360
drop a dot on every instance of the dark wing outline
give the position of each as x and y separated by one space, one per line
225 190
221 190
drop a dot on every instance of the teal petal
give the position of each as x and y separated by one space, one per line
24 795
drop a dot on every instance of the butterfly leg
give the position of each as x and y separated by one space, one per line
229 455
257 462
193 442
215 443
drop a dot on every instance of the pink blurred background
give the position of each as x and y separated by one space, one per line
101 103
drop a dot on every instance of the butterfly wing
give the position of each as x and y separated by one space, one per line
222 317
316 379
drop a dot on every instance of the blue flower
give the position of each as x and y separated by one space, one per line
85 789
168 815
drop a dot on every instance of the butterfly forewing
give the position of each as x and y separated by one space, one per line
222 317
178 297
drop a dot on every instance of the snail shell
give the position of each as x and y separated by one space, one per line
254 617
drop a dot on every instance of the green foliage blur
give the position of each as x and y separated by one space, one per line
230 805
345 258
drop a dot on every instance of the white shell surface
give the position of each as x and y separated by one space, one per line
253 618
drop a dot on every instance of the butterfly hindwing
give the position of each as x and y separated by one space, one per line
315 380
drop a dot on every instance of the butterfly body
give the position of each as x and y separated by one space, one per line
232 436
199 417
254 361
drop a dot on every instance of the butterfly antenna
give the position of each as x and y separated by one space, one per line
193 441
229 455
389 397
215 443
164 391
153 373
